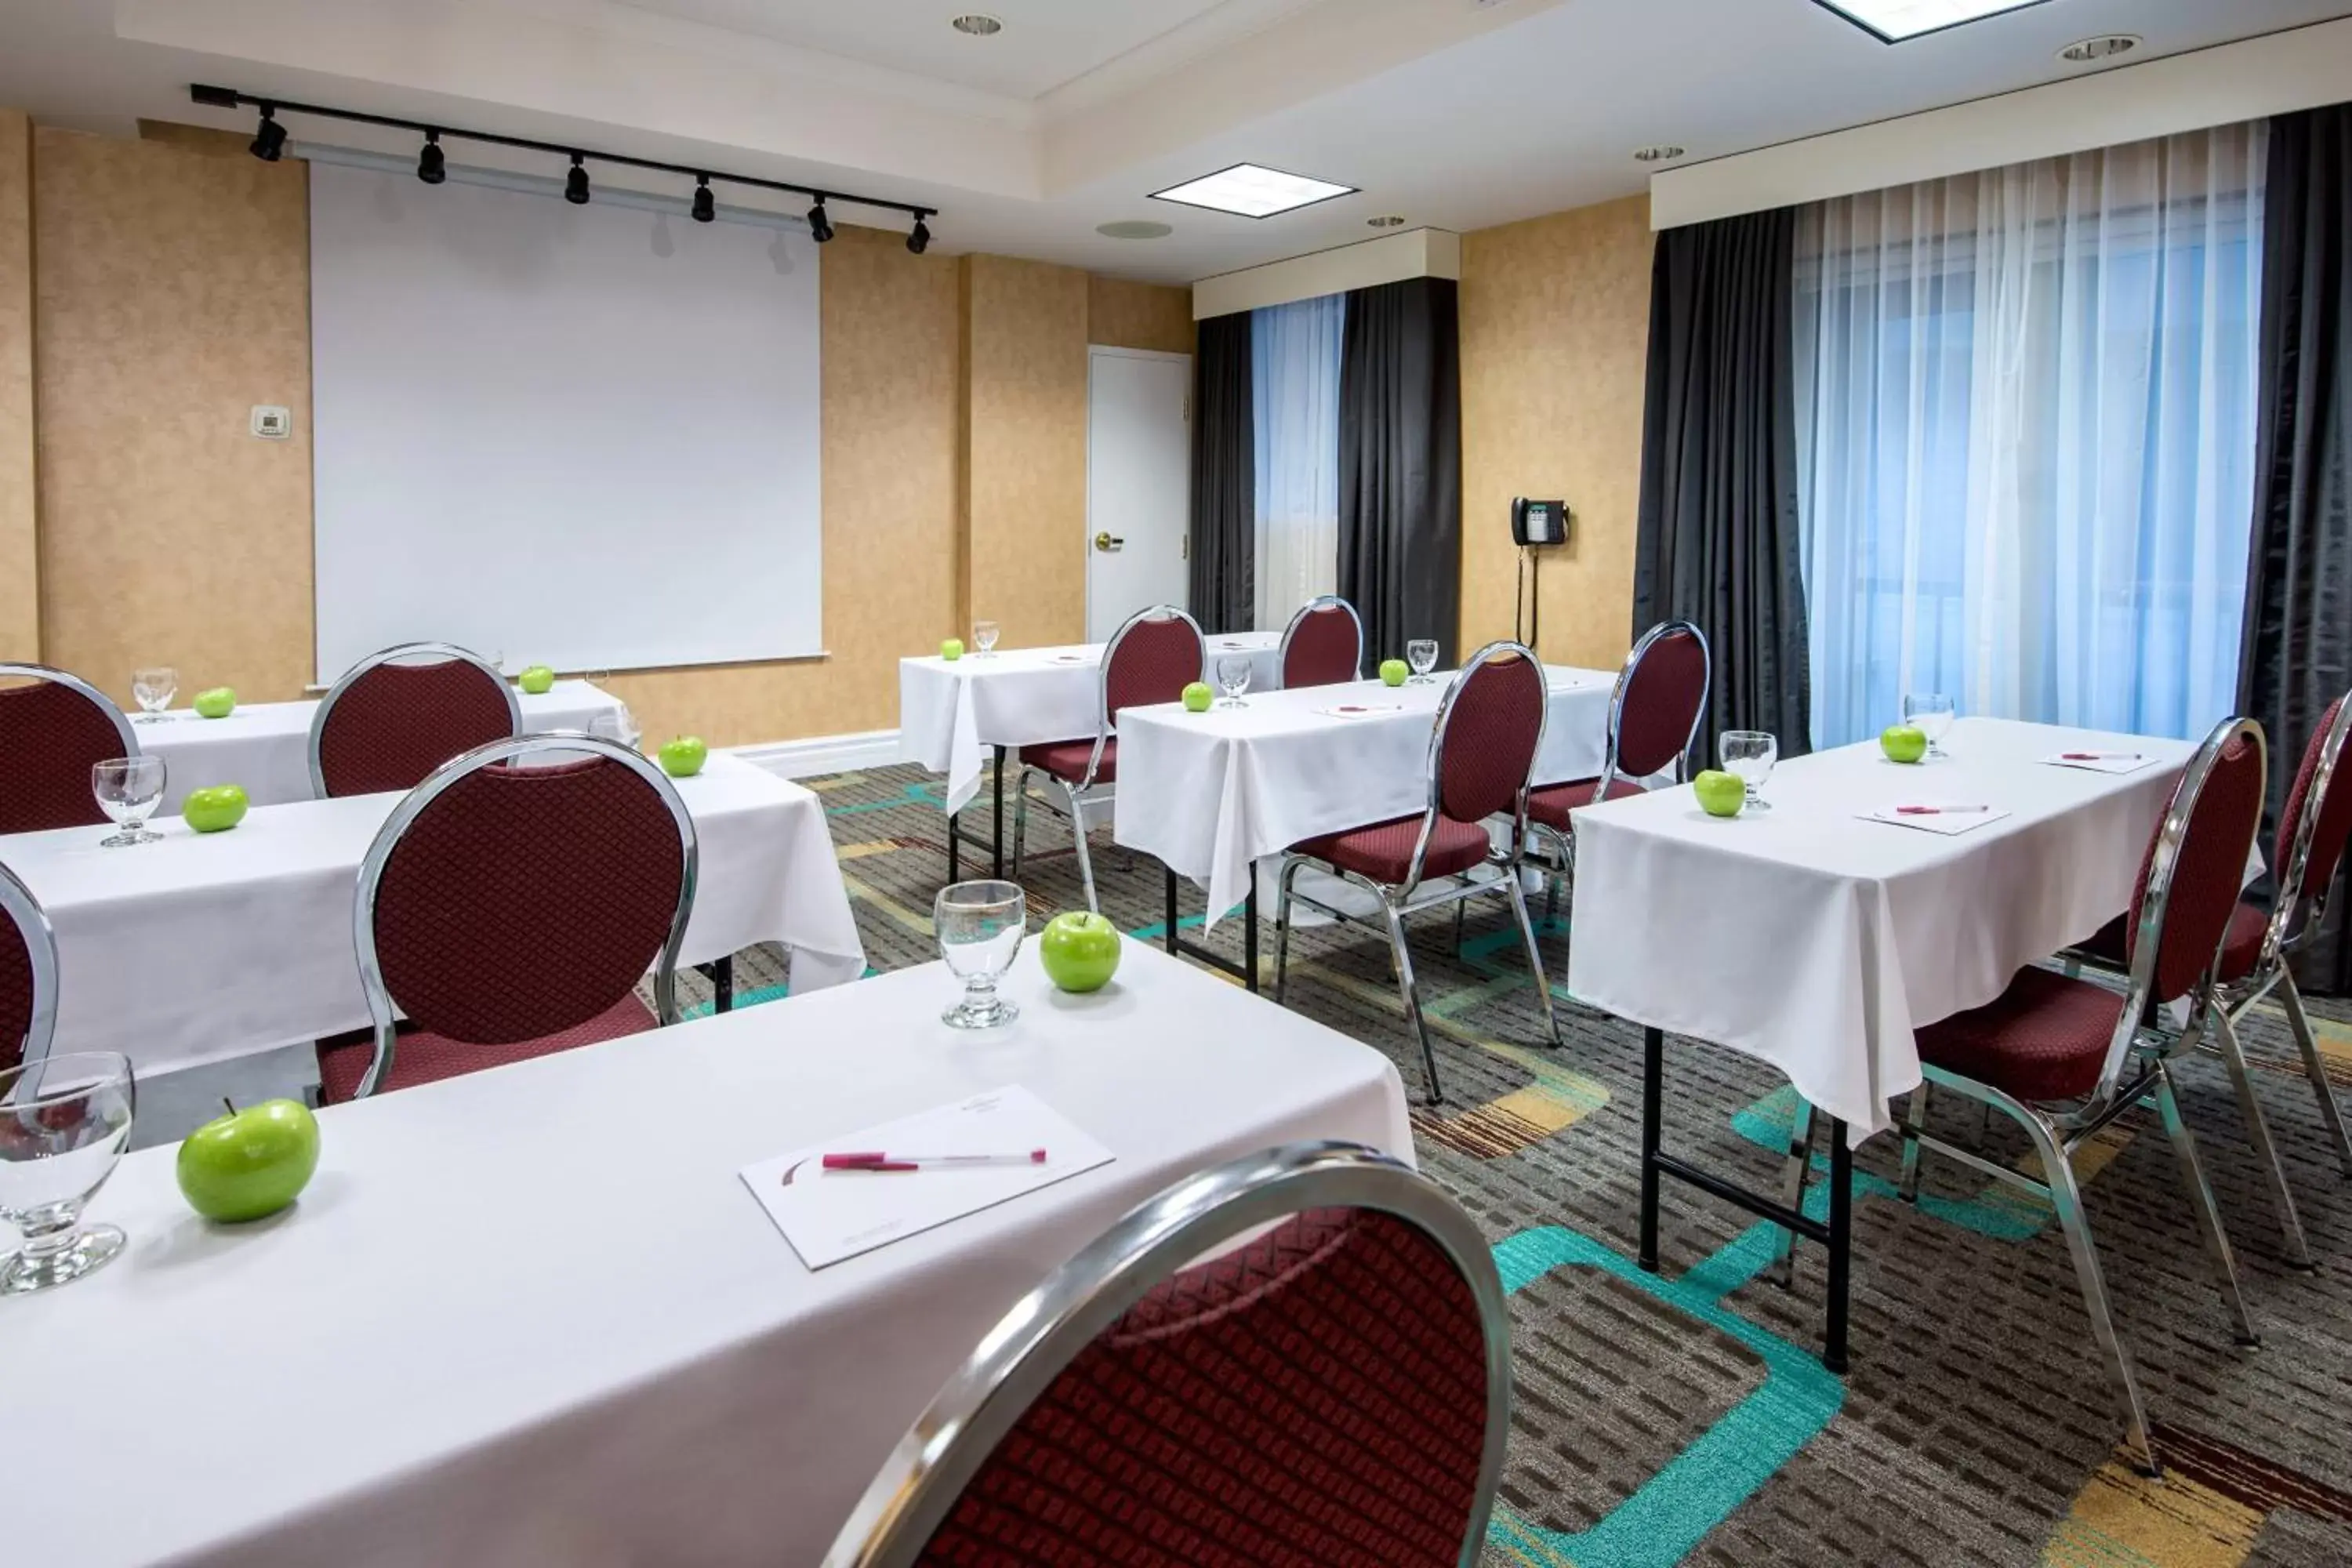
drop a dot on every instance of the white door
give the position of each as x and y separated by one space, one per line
1138 484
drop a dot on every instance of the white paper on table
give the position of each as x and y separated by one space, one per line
2102 762
828 1215
1360 710
1950 823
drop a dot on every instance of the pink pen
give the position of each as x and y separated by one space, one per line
875 1160
1938 810
2100 757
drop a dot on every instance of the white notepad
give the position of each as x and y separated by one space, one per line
828 1215
1945 820
2101 762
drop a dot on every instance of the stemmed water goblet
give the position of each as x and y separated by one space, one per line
984 638
63 1123
1232 678
129 789
1420 653
979 925
1929 713
154 686
1748 756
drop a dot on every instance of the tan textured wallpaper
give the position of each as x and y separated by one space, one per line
1554 336
20 637
172 293
1026 447
1124 315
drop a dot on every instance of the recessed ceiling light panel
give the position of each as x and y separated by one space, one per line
2090 51
978 25
1252 192
1894 20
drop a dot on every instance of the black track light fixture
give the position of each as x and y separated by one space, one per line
575 183
269 137
706 205
820 225
919 239
431 167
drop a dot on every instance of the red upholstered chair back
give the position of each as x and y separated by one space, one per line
1335 1391
397 715
1488 732
1659 699
51 729
1324 644
505 903
2196 862
2325 773
1152 660
28 976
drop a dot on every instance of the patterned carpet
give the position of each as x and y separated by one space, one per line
1684 1417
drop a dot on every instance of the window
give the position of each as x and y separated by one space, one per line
1295 363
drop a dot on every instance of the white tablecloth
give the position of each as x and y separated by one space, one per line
1210 794
266 746
952 712
531 1316
1818 942
206 947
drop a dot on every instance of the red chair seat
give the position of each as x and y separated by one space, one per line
1552 805
1384 850
2242 948
424 1058
1067 758
2046 1037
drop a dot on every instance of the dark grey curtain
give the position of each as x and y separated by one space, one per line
1224 477
1717 539
1401 465
2296 656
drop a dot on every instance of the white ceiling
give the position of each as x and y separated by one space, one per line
1447 112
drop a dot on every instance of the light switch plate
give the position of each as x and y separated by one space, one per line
272 423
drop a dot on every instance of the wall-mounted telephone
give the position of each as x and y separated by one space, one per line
1539 521
1533 523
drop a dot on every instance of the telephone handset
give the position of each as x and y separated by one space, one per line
1539 521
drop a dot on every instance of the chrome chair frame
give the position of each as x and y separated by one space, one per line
68 679
1399 900
1558 864
1319 603
2138 1045
926 1473
40 938
383 1014
1080 795
432 652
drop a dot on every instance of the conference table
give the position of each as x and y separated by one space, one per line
531 1316
952 713
1817 937
208 947
265 747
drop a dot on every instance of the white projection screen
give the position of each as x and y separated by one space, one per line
584 437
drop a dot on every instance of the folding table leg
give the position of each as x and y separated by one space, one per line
722 983
1841 1247
1653 1051
1170 932
955 847
1249 933
996 838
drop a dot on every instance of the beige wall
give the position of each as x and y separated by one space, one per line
171 291
20 632
1555 334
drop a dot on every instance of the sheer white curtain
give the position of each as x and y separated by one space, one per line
2025 424
1295 367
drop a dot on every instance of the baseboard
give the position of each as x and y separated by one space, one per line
821 755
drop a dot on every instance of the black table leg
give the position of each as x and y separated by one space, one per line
1170 932
1840 1245
1245 970
955 848
996 861
1249 933
1653 1066
723 984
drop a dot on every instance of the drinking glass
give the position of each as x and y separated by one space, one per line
618 725
1420 653
63 1123
1748 756
983 636
1931 713
1232 678
979 926
128 790
153 686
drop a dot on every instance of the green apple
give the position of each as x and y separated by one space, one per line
217 703
952 648
1393 671
1079 950
1197 698
1720 793
249 1164
538 680
683 758
1903 742
215 808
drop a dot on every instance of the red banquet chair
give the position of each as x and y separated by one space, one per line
587 866
28 976
1334 1390
52 729
1323 645
401 713
1152 660
2064 1058
1482 748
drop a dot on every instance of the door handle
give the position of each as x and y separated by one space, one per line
1107 542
